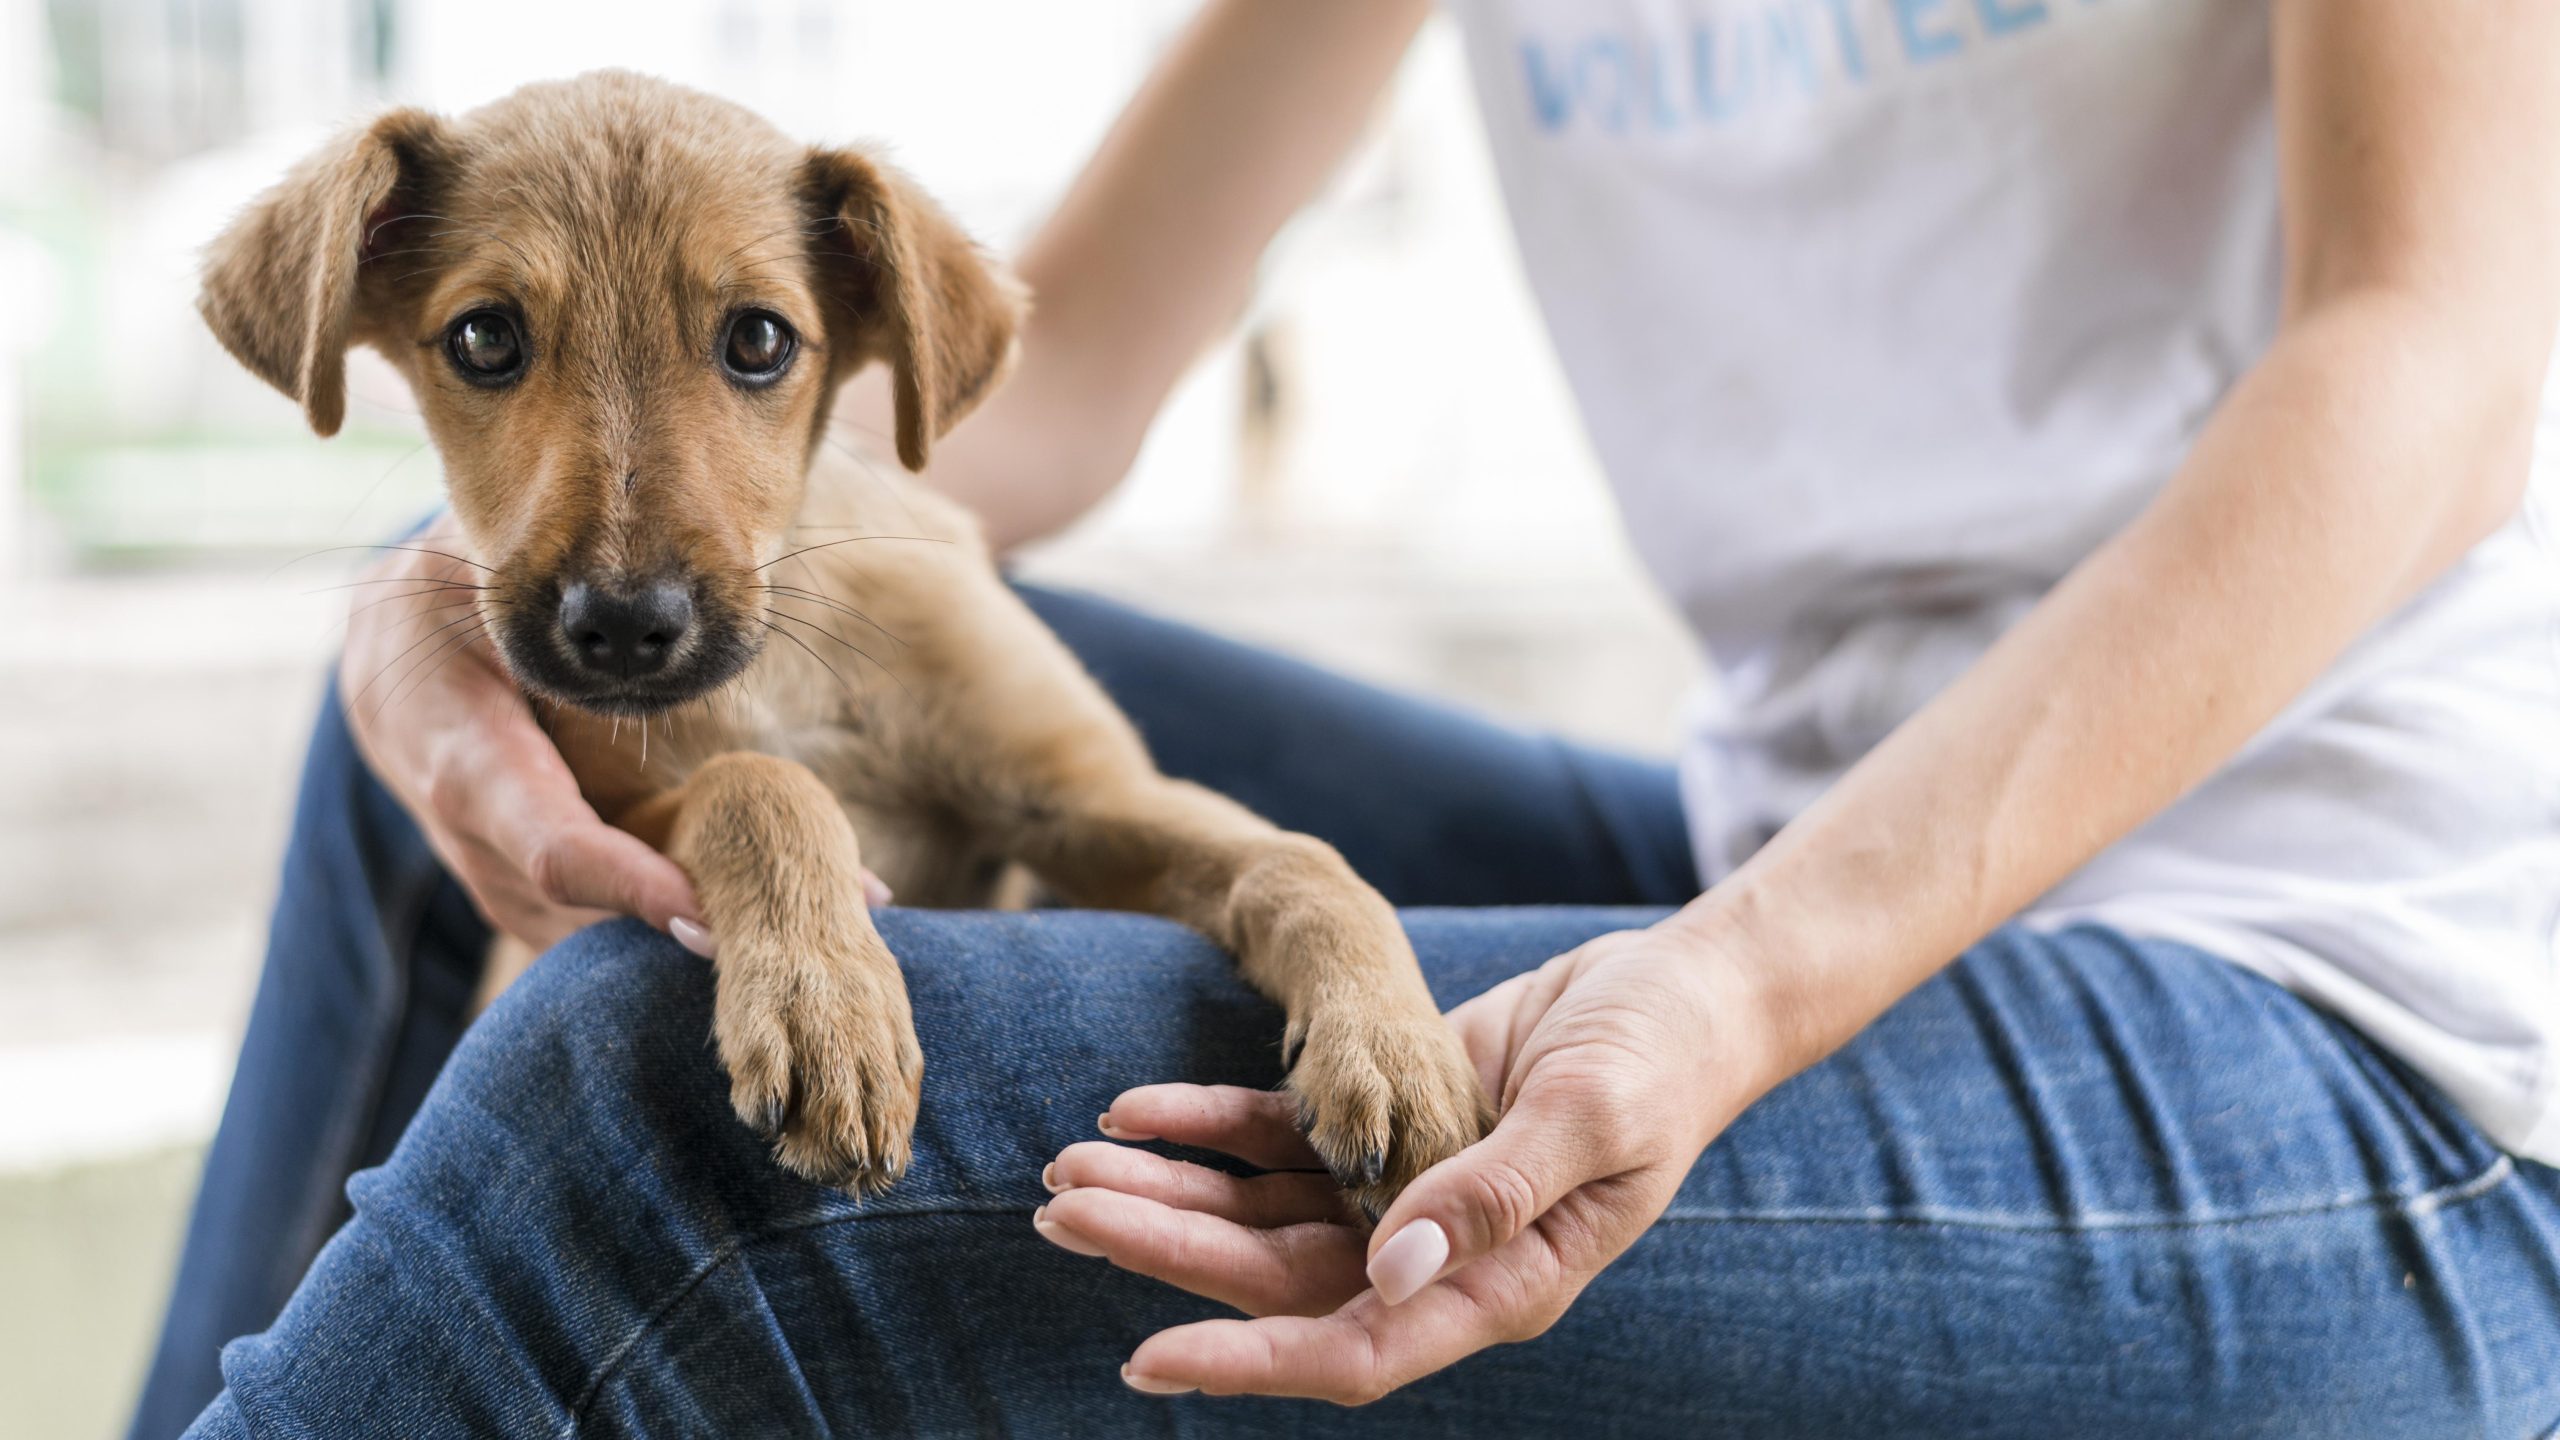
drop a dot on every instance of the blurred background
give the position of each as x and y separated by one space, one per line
1379 470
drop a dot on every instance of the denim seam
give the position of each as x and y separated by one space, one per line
723 1256
2413 1206
2417 1206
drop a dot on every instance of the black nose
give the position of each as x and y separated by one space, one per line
624 635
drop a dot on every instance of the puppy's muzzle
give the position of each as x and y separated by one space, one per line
624 635
622 646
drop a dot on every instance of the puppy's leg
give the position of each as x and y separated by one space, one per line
811 1016
1386 1088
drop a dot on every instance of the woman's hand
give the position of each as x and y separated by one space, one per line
1615 1064
453 739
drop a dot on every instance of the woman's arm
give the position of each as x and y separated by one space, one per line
2385 432
1152 252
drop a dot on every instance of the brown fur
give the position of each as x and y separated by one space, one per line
917 705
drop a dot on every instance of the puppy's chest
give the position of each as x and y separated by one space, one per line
909 832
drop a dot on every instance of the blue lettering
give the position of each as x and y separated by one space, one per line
2003 17
1548 97
1660 106
1714 102
1789 53
1844 26
1920 44
1605 52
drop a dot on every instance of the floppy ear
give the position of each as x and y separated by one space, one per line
916 291
281 285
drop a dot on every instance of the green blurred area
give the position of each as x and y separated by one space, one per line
193 483
88 1252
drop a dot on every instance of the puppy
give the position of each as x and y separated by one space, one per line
625 309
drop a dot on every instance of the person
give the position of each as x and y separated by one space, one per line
2091 970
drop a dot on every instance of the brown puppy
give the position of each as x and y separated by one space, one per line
625 309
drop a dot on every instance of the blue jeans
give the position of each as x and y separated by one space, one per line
2078 1184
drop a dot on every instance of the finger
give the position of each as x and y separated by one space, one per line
1294 1270
1350 1357
1288 1197
1484 1196
1259 1127
594 866
507 901
519 793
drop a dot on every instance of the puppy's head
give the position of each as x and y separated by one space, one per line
624 308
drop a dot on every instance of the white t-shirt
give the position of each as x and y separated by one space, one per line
1883 314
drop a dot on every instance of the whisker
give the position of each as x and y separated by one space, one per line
819 227
395 580
459 228
812 597
849 645
813 655
850 540
405 654
376 487
434 662
412 549
413 649
423 610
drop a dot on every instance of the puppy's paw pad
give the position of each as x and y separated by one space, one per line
1383 1099
824 1065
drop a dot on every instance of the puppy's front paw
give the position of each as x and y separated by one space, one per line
1385 1093
822 1058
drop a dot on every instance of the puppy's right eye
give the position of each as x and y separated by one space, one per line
485 348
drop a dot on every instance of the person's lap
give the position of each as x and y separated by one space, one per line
2074 1171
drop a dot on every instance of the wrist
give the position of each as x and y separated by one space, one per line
1743 985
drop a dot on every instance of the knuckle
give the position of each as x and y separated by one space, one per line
1534 1319
1615 1107
446 787
1505 1199
551 869
1368 1391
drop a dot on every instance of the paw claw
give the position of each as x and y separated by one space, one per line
1383 1098
828 1055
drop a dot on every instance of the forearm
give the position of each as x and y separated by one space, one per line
1152 251
2370 448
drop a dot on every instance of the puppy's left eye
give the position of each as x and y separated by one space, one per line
758 348
486 348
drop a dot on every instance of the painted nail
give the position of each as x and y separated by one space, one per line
1409 1260
1062 1237
1153 1387
1103 1124
875 890
1050 1181
695 936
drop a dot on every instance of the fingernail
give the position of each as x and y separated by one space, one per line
1145 1386
1103 1123
1062 1237
1408 1260
1049 1179
875 890
695 936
